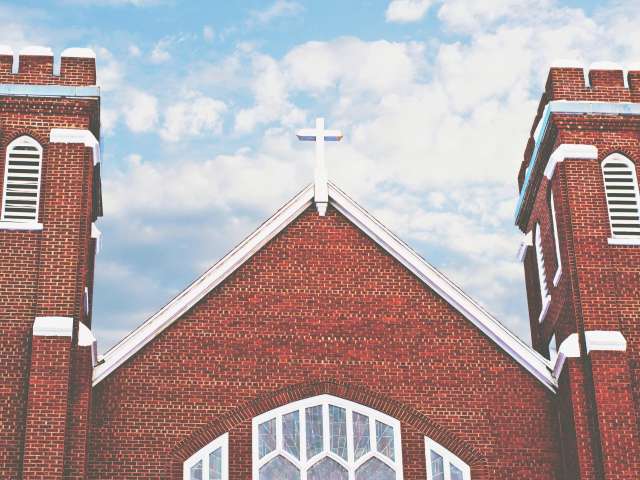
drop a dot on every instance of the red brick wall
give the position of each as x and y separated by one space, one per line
322 305
600 282
38 70
42 272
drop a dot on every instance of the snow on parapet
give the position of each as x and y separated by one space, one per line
36 51
78 53
35 67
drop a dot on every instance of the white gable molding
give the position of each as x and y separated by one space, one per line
76 135
531 360
569 150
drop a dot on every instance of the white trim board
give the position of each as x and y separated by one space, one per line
531 360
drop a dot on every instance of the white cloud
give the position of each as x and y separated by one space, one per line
134 51
208 33
160 54
270 91
407 10
353 65
139 109
195 116
196 183
280 8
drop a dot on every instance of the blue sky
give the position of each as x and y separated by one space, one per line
201 99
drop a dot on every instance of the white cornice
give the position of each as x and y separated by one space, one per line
531 360
570 348
53 327
566 150
73 135
567 107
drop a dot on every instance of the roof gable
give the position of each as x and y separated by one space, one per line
183 302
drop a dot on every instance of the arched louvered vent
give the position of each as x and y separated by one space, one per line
542 274
21 193
621 187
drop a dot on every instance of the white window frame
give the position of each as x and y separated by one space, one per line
556 239
304 463
28 224
617 239
447 459
542 274
203 454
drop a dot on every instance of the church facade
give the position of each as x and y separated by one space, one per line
323 347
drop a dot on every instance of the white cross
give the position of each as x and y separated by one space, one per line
320 135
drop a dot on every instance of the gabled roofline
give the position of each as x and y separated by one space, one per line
531 360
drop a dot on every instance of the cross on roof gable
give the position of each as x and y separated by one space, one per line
531 360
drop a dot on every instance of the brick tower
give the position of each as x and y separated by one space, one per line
579 210
50 191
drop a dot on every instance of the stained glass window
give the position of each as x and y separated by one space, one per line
267 437
444 465
291 433
326 438
210 462
338 430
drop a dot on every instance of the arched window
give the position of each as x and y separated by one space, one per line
556 238
444 465
326 437
621 188
22 172
210 462
542 274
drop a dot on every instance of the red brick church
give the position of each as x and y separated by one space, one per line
322 346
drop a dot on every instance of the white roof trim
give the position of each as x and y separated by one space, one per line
6 50
531 360
76 135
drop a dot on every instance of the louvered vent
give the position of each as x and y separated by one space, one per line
21 191
621 187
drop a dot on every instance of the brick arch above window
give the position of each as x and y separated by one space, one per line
354 393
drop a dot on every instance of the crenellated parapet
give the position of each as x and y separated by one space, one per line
601 82
35 66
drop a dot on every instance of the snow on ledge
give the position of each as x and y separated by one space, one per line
605 66
566 63
35 50
78 53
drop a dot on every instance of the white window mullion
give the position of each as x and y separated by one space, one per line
350 445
